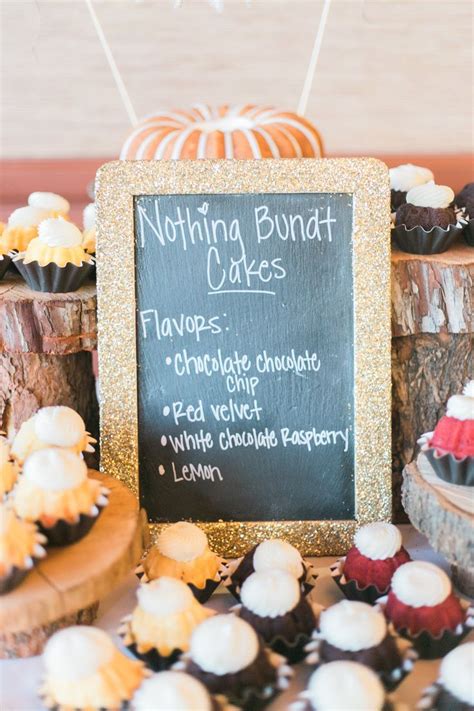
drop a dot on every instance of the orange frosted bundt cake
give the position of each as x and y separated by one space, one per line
224 132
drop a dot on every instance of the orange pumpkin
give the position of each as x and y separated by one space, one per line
226 132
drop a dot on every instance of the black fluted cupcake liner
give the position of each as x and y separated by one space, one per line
124 706
429 647
251 688
63 533
419 241
450 469
389 660
5 262
350 588
468 232
153 659
288 634
10 581
202 595
239 570
436 698
52 278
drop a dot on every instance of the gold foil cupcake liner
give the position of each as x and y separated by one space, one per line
351 589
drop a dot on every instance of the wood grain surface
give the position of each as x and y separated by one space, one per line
448 528
74 578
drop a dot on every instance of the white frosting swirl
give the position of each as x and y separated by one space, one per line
55 469
457 673
182 541
223 644
270 593
378 541
345 686
164 596
419 583
430 195
59 426
276 553
407 176
461 407
58 232
27 217
77 653
172 691
49 201
352 626
88 216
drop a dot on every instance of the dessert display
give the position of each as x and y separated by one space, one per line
427 222
83 670
55 492
182 551
55 260
268 555
89 233
175 691
8 468
454 690
56 205
356 632
229 658
345 686
21 228
55 426
422 607
450 448
366 571
273 603
223 132
160 627
403 178
464 200
21 545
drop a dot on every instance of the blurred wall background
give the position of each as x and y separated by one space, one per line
393 77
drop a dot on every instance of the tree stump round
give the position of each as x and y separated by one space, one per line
448 528
65 587
432 344
46 342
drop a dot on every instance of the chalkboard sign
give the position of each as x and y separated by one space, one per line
248 343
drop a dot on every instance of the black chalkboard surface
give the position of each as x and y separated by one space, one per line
245 356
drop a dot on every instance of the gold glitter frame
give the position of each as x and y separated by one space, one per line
367 180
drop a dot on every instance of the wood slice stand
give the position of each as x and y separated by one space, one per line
432 344
65 587
45 352
448 528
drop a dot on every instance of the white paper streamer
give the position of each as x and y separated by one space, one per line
313 61
113 66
